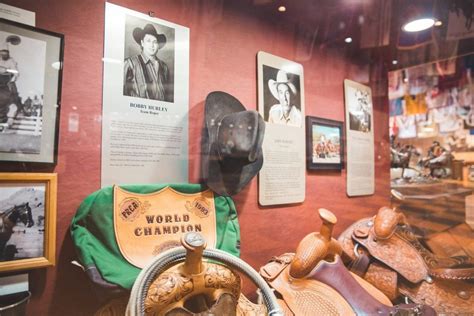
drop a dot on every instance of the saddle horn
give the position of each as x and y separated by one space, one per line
316 246
386 221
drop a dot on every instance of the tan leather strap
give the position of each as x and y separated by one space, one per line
276 265
360 265
453 274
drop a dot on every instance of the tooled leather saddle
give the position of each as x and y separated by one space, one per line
198 288
384 251
314 281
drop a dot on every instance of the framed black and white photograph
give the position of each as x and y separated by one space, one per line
360 111
149 60
281 97
324 144
27 220
30 91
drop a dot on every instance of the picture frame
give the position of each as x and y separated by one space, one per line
28 237
30 93
324 144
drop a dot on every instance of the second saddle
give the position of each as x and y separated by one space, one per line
314 281
384 251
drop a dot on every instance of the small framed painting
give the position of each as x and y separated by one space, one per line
324 144
27 220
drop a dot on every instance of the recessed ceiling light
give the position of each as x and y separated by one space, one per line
348 40
282 8
418 25
394 62
438 23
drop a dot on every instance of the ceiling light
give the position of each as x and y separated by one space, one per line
438 23
418 25
394 62
348 40
282 8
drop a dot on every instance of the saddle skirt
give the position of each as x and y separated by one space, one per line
386 253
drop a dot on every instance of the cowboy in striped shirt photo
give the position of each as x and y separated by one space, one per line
145 75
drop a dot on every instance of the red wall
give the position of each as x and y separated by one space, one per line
224 42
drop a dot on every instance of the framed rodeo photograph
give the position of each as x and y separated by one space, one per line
27 220
30 90
324 144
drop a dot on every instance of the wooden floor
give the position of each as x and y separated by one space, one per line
437 214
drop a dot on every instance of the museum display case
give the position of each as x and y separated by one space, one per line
292 140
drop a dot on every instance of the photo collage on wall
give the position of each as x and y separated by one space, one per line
433 101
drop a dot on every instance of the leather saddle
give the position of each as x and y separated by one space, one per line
314 281
385 251
198 288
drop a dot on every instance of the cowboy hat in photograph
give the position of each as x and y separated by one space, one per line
282 78
139 34
232 144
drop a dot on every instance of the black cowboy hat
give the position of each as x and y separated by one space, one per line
232 144
139 33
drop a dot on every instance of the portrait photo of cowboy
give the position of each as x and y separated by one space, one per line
22 80
148 70
360 111
282 99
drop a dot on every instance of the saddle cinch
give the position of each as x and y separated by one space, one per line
196 287
384 251
314 281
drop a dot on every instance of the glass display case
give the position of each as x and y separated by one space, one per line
338 133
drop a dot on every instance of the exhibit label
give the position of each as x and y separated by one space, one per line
145 99
360 139
281 103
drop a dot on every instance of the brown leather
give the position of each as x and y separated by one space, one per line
246 308
303 296
447 297
386 222
389 251
451 268
386 279
174 290
458 267
226 304
336 275
328 288
393 258
198 288
315 246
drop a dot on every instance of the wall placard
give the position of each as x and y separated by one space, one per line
281 103
360 139
145 99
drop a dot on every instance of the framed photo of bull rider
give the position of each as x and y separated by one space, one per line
27 220
30 89
324 144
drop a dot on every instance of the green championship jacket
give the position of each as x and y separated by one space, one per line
99 248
